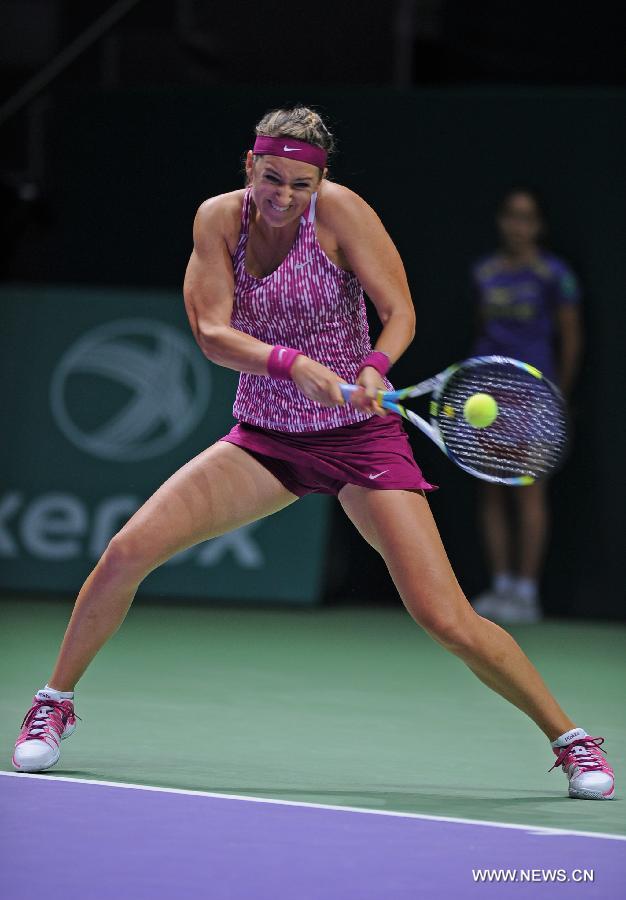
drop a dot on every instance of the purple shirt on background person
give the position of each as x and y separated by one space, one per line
518 307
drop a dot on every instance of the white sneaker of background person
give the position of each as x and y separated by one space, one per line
521 606
489 602
49 721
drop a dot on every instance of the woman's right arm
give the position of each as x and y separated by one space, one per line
209 291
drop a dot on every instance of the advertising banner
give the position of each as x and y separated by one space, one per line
105 394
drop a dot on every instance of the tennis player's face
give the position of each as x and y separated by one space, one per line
281 188
520 222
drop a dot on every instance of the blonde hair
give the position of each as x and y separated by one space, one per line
300 123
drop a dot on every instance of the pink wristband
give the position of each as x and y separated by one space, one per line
280 361
377 360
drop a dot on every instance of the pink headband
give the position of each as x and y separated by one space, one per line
291 149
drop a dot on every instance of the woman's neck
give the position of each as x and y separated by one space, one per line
515 257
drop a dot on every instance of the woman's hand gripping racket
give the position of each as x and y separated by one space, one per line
497 418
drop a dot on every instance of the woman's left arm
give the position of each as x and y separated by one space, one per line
371 254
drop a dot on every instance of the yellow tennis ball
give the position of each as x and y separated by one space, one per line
480 410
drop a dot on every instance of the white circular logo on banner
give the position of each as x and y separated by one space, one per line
156 390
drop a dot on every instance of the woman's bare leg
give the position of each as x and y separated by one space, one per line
532 509
221 489
496 528
400 526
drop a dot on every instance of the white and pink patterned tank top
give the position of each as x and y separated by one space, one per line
309 303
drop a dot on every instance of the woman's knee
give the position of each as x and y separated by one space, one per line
455 630
125 559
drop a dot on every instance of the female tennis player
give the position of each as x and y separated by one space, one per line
274 290
528 308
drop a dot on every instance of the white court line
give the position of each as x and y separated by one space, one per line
531 829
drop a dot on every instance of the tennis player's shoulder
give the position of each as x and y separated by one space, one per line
220 216
339 208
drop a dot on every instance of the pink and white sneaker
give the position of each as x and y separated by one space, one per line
46 724
579 755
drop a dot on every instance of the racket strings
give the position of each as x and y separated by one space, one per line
527 438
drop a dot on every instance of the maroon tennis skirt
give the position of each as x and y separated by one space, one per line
375 453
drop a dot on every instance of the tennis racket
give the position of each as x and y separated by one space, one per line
525 441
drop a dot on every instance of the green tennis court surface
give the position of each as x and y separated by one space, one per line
350 707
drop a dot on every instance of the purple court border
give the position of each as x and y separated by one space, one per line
69 839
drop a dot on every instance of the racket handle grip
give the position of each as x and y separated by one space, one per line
347 390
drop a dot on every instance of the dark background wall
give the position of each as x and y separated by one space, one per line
129 157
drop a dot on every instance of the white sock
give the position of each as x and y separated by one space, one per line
526 589
50 693
503 583
569 736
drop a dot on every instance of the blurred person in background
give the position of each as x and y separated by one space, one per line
528 305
